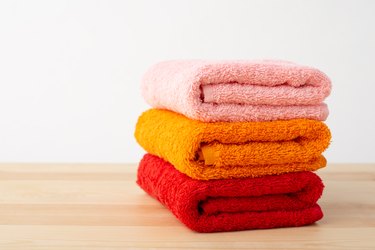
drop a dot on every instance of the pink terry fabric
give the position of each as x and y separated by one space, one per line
213 91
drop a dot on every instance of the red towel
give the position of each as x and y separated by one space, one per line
233 204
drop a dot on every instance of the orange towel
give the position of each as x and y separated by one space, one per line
233 149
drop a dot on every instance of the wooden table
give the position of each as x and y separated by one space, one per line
99 206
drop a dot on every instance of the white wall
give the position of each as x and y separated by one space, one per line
70 70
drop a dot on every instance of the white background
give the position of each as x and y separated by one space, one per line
70 70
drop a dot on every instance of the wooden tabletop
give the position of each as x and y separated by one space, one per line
99 206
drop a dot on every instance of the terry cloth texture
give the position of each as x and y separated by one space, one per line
233 204
237 90
233 149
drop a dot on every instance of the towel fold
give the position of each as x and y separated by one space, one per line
233 149
237 90
233 204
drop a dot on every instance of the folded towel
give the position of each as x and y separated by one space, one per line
233 204
233 149
237 90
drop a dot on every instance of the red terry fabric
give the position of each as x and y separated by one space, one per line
233 204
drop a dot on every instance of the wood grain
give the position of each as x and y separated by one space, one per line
99 206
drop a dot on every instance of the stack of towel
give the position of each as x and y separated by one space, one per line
232 144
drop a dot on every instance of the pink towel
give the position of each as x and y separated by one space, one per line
229 91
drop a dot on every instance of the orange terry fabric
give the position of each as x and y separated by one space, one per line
223 150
